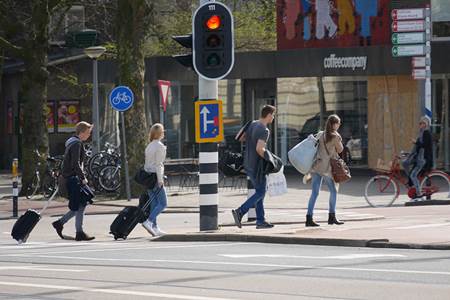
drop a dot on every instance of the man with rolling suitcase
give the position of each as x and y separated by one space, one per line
72 171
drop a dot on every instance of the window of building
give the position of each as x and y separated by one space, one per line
305 103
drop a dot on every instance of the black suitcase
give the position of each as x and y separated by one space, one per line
128 218
26 222
24 225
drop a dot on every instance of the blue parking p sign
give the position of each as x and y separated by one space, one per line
121 98
208 121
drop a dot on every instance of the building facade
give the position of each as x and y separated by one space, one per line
319 69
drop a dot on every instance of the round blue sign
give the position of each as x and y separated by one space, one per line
121 98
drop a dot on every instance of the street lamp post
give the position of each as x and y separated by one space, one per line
94 53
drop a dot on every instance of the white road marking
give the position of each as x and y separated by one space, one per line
39 268
343 257
125 248
422 226
109 291
177 262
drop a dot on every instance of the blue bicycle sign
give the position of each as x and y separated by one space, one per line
121 98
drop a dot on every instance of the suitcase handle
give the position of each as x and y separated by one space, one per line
50 200
143 208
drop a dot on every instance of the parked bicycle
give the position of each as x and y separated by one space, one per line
103 169
383 189
46 183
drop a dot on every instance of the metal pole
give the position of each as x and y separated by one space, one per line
95 112
208 165
428 111
125 159
15 182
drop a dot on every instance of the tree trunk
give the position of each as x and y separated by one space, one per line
132 26
34 91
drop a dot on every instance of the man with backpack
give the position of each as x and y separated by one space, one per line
256 136
72 171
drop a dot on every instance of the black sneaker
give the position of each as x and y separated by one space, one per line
237 217
59 228
264 225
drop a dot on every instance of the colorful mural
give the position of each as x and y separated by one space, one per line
332 23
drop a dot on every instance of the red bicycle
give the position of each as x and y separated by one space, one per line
384 188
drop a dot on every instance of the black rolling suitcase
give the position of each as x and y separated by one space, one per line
26 222
128 218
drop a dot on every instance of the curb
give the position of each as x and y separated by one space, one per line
217 237
252 223
427 202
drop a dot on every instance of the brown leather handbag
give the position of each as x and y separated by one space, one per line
339 169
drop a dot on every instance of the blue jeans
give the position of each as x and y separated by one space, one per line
257 199
413 174
159 203
316 184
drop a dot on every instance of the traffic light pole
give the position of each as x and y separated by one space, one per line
208 165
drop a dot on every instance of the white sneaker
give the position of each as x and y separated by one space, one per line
149 227
158 230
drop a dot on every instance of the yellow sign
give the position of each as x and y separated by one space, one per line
208 121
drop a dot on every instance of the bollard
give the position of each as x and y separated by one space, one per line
15 182
251 215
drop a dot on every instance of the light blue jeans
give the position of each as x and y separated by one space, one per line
316 184
159 203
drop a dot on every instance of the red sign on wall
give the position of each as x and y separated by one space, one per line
332 23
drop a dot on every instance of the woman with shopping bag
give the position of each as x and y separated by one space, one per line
329 147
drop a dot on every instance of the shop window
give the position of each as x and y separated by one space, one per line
304 104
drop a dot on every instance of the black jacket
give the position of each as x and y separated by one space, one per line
427 145
270 164
73 159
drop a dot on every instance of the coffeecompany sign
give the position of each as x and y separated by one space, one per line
345 62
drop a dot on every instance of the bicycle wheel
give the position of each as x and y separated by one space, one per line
33 188
436 185
109 178
381 191
98 161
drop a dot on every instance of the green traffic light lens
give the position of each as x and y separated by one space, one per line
213 60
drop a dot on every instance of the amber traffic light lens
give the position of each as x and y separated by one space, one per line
213 41
213 22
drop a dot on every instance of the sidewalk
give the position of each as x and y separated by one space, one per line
423 227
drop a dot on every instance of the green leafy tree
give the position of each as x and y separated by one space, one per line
133 20
25 37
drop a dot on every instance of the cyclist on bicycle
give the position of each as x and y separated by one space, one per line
421 157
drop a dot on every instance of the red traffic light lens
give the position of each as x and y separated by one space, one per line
213 22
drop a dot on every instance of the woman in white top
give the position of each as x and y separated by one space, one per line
155 154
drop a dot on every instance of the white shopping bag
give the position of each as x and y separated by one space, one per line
276 183
303 154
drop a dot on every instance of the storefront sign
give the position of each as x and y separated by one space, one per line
408 26
408 14
348 62
408 38
408 50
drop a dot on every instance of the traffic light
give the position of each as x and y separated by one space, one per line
186 42
213 48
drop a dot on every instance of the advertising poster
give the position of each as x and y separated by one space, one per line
332 23
50 113
68 115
